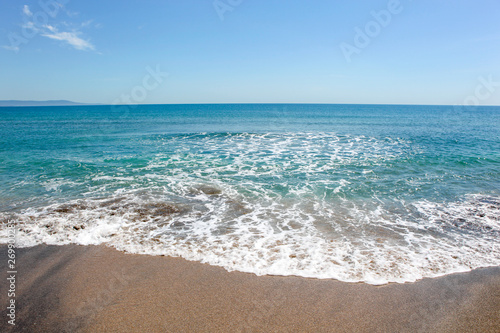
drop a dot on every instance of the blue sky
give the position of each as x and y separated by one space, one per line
251 51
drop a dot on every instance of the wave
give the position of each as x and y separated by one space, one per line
373 240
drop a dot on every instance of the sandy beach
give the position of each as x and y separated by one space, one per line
98 289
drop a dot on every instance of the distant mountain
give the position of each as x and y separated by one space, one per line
39 103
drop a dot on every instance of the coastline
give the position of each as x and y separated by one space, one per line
75 288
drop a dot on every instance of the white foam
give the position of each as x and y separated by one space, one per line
352 242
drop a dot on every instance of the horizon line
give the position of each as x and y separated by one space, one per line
223 103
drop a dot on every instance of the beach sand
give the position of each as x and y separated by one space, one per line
98 289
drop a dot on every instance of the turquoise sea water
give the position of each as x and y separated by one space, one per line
367 193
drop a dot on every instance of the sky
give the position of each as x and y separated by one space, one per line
251 51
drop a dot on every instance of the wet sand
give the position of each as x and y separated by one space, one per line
98 289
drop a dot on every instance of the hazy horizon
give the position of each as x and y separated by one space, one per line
76 103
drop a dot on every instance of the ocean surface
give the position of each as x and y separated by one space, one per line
370 193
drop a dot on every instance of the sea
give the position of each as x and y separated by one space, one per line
357 193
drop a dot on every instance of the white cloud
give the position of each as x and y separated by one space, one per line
71 13
30 26
51 28
86 23
27 11
69 37
11 48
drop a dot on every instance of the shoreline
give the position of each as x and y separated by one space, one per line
75 288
